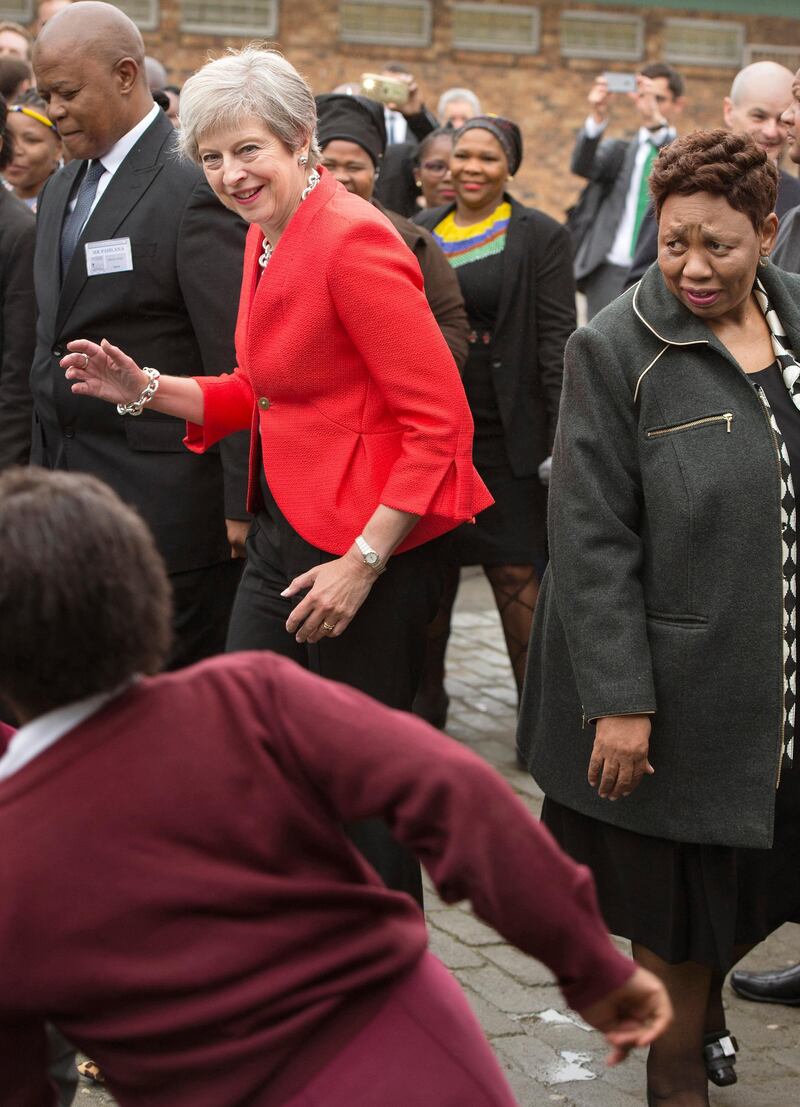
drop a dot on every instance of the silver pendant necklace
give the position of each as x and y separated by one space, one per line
266 245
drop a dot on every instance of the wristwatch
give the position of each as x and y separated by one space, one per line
371 557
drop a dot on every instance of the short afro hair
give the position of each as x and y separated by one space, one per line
719 162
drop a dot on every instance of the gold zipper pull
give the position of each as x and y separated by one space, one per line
728 417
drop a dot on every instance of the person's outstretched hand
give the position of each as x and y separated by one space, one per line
632 1016
103 371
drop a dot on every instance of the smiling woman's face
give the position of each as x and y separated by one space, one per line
254 174
708 253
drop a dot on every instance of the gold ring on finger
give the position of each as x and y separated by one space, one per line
328 626
85 360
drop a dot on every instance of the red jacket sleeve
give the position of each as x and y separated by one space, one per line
227 407
409 361
475 838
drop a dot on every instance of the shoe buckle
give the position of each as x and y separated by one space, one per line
727 1046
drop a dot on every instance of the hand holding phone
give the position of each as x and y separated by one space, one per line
620 82
386 90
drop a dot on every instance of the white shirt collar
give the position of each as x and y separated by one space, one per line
659 136
35 737
123 146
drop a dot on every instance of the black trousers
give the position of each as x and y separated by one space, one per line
380 653
202 601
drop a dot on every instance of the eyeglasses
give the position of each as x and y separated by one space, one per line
435 168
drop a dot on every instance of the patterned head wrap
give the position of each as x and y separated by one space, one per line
507 134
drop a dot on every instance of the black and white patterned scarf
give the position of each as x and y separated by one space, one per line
790 370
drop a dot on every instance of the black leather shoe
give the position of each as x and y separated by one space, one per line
719 1054
777 986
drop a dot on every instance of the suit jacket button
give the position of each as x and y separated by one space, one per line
497 364
69 432
58 352
263 403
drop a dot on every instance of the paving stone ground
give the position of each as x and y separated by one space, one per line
548 1056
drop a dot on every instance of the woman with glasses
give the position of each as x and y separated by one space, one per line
515 270
432 169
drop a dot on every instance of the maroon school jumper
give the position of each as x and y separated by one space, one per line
177 897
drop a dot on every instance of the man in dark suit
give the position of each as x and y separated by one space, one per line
133 246
621 168
17 316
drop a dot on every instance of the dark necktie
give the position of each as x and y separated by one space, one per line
73 224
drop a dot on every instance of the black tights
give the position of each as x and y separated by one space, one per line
676 1073
516 588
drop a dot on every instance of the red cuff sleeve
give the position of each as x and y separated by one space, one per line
227 407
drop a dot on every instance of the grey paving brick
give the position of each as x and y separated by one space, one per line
454 954
499 988
463 925
517 964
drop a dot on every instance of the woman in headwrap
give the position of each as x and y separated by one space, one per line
515 270
351 132
37 148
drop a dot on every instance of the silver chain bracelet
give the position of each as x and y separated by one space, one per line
144 397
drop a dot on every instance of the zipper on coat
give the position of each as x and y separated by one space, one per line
726 417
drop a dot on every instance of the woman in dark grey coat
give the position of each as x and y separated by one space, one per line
663 656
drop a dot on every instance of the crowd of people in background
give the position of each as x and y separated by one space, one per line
317 343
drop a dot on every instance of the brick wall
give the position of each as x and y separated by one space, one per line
544 93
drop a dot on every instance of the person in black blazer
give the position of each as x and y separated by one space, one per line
514 266
619 169
156 269
17 315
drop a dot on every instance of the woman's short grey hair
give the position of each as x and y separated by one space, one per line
256 81
451 94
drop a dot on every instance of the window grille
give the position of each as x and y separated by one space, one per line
386 22
703 42
230 17
508 27
783 55
602 35
20 11
145 14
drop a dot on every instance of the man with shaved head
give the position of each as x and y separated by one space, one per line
759 96
133 246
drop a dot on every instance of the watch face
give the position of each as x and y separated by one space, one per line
371 558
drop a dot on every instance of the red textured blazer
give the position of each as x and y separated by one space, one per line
345 374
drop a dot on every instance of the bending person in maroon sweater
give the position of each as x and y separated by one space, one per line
235 948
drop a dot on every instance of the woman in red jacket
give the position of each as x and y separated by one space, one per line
361 434
234 947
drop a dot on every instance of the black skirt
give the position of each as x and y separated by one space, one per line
689 902
513 530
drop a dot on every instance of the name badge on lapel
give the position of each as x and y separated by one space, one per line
111 255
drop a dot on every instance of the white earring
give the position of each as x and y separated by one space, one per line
302 160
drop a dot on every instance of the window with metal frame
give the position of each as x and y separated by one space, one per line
386 22
703 42
230 17
783 55
146 14
602 35
509 27
20 11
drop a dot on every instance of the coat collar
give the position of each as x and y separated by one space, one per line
671 322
